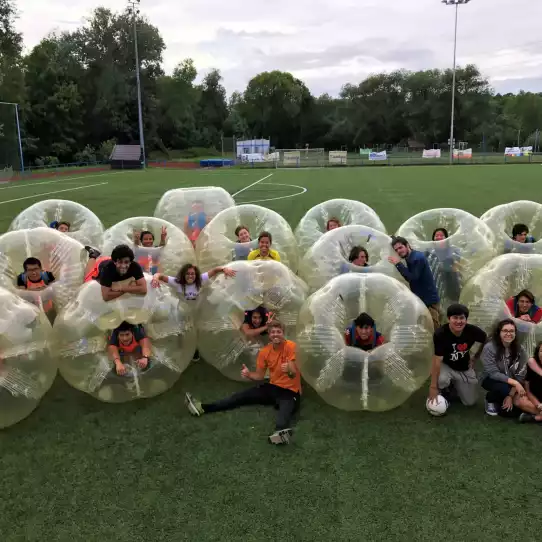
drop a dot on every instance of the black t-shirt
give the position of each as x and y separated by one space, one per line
21 279
109 274
455 351
535 383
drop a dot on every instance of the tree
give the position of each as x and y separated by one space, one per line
11 47
213 110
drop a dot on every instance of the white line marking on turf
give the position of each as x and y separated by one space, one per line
301 188
250 185
23 184
54 192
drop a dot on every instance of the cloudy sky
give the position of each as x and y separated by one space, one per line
326 42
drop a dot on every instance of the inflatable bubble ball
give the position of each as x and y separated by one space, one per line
502 219
191 209
84 225
456 244
370 376
349 249
219 242
334 213
223 304
81 333
492 295
59 255
176 251
27 370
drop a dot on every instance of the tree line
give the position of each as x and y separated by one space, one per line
77 96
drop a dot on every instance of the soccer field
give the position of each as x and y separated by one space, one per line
81 470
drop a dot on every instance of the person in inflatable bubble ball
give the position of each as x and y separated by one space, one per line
362 333
264 250
256 323
242 250
520 234
196 220
452 368
523 306
283 391
121 275
127 343
145 239
417 272
36 279
333 223
62 227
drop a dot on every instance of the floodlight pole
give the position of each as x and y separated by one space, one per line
18 131
135 12
455 3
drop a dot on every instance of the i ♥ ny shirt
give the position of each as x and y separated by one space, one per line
455 350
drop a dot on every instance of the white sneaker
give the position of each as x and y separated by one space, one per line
281 437
491 409
193 405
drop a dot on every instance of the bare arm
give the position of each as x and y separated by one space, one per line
226 270
249 332
138 288
257 375
146 347
534 366
435 371
108 294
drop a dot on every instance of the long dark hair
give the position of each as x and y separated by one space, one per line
181 276
514 345
443 230
355 252
536 354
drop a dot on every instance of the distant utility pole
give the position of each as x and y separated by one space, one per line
134 5
455 3
16 106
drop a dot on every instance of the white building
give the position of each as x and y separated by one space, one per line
253 146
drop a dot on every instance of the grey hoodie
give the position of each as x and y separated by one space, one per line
503 368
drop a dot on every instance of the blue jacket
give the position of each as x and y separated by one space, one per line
418 274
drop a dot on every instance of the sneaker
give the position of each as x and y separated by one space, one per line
491 409
193 405
92 252
525 417
280 437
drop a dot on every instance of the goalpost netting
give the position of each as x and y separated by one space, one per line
10 159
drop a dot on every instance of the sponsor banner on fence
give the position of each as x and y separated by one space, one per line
466 153
518 151
383 155
365 152
431 153
338 157
291 158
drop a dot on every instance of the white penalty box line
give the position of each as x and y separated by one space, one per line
53 192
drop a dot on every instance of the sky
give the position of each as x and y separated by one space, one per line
326 43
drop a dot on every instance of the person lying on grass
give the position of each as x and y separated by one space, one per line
283 391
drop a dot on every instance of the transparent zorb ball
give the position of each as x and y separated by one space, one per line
85 226
502 218
329 256
349 212
218 244
27 370
81 333
168 259
348 377
223 303
456 259
63 256
504 277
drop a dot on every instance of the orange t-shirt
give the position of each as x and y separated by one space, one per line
272 358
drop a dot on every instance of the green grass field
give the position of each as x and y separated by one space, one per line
81 470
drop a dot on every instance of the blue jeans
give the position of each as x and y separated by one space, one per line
496 390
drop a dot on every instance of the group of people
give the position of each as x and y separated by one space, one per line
513 382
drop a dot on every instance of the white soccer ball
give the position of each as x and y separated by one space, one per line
438 407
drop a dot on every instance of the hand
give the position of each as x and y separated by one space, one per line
116 287
433 394
229 272
285 368
520 390
394 260
155 282
508 404
245 373
120 368
163 233
270 317
525 317
143 362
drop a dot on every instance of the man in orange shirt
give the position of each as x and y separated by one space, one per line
282 391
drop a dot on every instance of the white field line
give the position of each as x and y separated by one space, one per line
302 190
50 193
251 185
23 184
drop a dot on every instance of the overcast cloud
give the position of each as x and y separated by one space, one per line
326 43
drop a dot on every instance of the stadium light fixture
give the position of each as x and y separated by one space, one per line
455 3
134 5
18 131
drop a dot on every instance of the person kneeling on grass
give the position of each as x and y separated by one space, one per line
533 388
129 341
282 391
505 366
